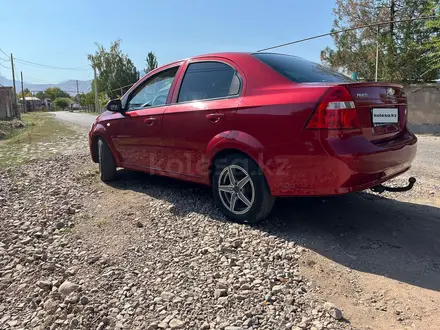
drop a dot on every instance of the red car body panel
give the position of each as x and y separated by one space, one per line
266 121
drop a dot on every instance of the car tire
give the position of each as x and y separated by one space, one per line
107 164
253 200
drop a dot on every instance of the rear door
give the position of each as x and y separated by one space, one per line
203 107
381 108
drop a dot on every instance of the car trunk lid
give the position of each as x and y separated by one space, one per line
381 109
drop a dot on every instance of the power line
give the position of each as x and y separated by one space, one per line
67 91
346 30
1 50
25 62
5 66
116 89
40 80
82 68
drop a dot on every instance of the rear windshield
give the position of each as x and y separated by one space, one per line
300 70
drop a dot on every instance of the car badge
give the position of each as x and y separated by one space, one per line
391 91
362 95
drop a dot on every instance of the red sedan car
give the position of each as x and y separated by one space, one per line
255 127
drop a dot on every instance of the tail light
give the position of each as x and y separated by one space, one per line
335 111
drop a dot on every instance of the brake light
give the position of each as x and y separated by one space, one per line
335 111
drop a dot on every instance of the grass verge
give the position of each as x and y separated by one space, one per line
31 142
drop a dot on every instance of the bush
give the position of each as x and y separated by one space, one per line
62 102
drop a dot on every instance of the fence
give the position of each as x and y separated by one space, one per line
6 105
423 104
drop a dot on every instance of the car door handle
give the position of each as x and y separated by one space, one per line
215 117
149 121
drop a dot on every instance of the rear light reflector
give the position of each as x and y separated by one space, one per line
340 105
335 111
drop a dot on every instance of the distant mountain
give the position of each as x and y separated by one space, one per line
68 86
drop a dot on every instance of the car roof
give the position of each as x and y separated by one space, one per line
229 55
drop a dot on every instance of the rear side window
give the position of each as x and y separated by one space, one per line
300 70
209 80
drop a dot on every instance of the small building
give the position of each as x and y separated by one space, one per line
75 106
47 103
6 100
32 103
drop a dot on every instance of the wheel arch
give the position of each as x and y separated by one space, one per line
100 133
94 148
235 142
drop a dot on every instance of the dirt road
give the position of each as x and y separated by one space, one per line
79 118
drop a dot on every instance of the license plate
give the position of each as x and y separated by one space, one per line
385 116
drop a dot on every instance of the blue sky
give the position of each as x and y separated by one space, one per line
61 33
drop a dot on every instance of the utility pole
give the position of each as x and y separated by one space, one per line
377 52
77 94
22 95
32 101
13 83
97 107
379 8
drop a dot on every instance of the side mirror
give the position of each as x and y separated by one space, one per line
114 105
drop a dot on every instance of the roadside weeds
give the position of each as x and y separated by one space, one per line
42 137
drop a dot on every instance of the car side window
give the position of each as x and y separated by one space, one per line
209 80
154 92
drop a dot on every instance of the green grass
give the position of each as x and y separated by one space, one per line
7 129
40 127
23 144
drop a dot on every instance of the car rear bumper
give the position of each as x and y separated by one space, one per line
339 166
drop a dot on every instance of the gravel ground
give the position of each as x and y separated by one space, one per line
153 253
77 254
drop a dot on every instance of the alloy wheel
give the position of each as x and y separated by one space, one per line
236 189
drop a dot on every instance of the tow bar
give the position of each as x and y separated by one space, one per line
381 188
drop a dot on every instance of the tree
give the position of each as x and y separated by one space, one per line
115 70
62 102
400 55
27 93
40 95
151 60
55 92
89 98
432 48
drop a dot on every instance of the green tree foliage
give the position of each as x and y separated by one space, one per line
62 102
54 93
400 55
40 95
87 99
151 62
432 48
82 99
27 93
114 69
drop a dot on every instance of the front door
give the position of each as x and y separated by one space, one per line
138 138
204 108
